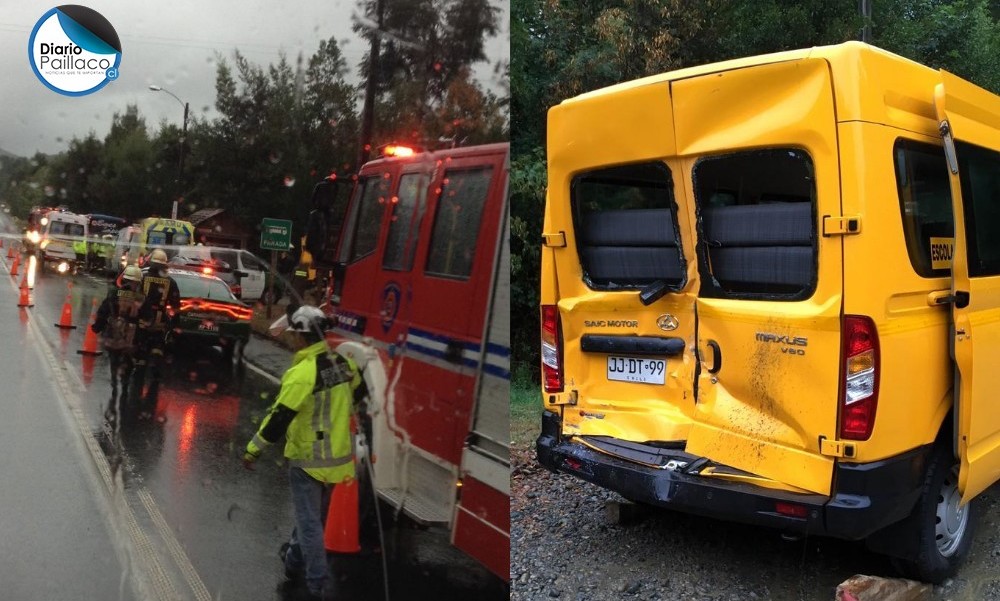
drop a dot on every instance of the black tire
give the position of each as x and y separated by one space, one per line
942 544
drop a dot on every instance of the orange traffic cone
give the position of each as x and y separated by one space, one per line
10 251
342 533
88 368
90 340
66 320
1 241
15 264
25 299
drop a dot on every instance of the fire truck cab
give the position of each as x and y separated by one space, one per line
418 266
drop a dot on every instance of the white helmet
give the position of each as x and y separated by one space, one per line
133 273
303 319
158 256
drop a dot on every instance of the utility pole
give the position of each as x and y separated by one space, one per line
371 86
865 7
180 167
180 161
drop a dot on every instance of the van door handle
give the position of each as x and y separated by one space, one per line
939 297
716 357
944 297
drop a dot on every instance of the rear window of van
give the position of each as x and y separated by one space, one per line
625 223
925 204
757 224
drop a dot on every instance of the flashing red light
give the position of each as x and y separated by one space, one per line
206 270
394 150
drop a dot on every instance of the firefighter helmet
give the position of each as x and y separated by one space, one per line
158 256
133 273
301 319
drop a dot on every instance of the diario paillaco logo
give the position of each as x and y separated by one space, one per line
74 50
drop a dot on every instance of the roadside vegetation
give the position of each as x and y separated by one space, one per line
279 128
525 410
563 48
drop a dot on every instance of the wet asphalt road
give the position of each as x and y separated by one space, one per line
193 523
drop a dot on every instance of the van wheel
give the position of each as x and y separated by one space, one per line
944 530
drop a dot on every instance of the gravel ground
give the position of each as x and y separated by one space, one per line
564 547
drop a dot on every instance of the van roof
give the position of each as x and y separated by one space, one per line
67 217
870 84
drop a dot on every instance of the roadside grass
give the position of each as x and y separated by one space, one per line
525 410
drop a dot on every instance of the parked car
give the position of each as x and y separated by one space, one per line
253 269
222 270
210 312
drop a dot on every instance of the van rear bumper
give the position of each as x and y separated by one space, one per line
866 496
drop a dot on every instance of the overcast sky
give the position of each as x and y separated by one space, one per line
172 44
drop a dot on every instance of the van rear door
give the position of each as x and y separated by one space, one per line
614 233
762 175
970 125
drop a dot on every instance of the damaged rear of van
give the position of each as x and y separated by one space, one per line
756 297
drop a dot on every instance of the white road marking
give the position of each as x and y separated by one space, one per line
162 585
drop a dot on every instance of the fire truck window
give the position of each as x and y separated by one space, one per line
456 224
403 227
373 198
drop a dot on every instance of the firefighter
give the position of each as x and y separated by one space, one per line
117 321
158 316
312 412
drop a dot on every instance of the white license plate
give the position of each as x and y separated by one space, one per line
636 369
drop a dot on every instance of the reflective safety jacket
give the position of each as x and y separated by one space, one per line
162 307
118 318
313 411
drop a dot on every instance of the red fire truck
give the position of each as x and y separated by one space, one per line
418 259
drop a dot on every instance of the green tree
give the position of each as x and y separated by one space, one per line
121 185
561 48
425 90
83 162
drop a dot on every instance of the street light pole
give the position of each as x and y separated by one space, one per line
180 161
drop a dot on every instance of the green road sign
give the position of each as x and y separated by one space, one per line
275 234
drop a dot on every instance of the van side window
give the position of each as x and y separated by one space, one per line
372 196
757 224
925 204
65 229
625 223
979 170
456 222
403 226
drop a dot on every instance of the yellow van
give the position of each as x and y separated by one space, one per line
757 300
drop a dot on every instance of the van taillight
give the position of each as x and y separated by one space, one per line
861 375
552 375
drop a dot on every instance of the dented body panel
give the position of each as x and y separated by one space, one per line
756 204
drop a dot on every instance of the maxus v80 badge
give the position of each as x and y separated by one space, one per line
790 345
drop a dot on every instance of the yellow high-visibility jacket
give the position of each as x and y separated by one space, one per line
318 389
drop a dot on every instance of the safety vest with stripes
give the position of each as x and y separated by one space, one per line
319 388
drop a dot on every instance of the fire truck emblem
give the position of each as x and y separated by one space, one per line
391 296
